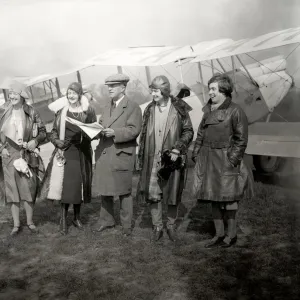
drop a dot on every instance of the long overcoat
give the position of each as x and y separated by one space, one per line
34 129
115 157
220 172
85 155
178 134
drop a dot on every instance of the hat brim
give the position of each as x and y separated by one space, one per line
114 82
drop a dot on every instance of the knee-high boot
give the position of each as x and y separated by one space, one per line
76 222
63 219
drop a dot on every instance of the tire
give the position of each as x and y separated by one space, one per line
266 164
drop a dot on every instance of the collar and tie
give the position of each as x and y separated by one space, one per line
113 107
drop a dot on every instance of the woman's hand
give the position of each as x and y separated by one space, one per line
174 154
31 145
5 153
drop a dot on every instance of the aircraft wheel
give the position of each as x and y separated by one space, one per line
266 164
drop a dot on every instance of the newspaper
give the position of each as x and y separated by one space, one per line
91 129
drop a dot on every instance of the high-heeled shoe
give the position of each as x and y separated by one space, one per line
77 223
15 231
32 228
214 242
232 241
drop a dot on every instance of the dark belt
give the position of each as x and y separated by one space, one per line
215 144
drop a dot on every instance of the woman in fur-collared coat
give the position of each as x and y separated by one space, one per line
69 174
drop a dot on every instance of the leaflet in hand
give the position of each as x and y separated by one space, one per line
91 129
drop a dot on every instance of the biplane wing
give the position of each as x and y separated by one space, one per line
152 56
29 81
259 43
203 51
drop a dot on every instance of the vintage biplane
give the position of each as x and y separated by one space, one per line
263 87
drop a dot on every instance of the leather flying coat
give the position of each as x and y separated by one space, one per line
178 134
220 171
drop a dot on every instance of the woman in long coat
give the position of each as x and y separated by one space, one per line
221 175
166 127
21 131
69 174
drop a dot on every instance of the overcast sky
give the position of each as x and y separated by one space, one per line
44 36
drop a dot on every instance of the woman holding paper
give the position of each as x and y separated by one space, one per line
21 131
69 174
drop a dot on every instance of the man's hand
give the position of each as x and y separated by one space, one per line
108 132
31 145
59 144
5 153
174 154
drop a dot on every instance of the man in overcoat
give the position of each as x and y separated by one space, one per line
115 154
166 130
221 176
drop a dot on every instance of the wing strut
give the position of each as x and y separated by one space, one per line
120 70
222 67
202 83
58 88
180 70
79 77
148 75
30 89
253 81
5 95
233 68
44 87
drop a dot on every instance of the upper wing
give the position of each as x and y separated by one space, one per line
29 81
141 56
154 56
262 42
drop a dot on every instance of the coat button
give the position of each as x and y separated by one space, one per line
104 152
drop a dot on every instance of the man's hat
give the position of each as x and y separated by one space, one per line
117 78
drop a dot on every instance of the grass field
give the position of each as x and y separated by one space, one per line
265 263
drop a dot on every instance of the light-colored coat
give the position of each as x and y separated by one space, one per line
115 157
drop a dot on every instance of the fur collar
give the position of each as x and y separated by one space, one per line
62 102
224 105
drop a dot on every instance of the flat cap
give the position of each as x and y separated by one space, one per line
117 78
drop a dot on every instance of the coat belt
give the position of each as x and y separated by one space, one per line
215 144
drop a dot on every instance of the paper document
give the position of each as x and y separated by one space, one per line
91 129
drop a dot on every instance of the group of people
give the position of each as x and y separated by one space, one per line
165 133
